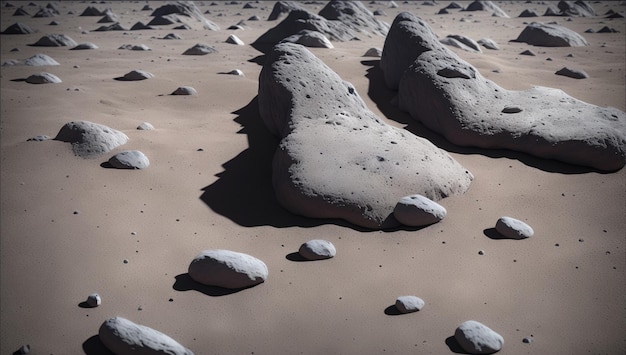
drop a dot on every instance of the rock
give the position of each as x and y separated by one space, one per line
122 336
20 12
572 73
136 47
91 11
24 349
94 300
330 139
462 42
55 40
486 6
37 60
576 8
90 139
43 78
145 126
454 5
232 39
281 7
417 210
185 90
18 28
355 16
309 39
449 96
187 9
607 29
254 18
200 49
513 228
488 43
113 27
141 26
109 18
86 45
130 159
172 36
45 12
227 269
137 75
476 338
317 249
528 52
373 52
442 12
409 304
547 35
39 138
237 72
164 20
528 13
236 27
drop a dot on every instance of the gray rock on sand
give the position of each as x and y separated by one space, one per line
227 269
55 40
130 159
488 43
172 36
43 78
135 47
90 139
113 27
418 210
354 15
94 300
409 304
549 35
232 39
200 49
187 9
317 249
576 8
18 28
528 13
86 45
451 97
282 7
122 336
185 90
145 126
476 338
572 73
462 42
513 228
373 52
330 140
237 72
37 60
486 6
309 39
136 75
91 11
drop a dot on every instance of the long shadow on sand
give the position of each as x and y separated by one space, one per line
184 282
244 191
93 346
382 96
454 346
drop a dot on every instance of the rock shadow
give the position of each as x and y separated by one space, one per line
184 282
454 346
383 96
392 310
492 233
93 346
295 256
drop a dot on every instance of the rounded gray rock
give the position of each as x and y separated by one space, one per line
130 159
89 139
185 90
476 338
123 336
145 126
136 75
513 228
200 49
43 78
409 304
418 210
317 249
227 269
94 300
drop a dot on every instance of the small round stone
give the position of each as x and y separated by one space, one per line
317 249
94 300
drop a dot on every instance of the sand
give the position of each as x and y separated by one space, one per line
68 224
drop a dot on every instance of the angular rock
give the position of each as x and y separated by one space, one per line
113 27
90 139
317 249
20 12
200 49
227 269
282 7
45 12
451 97
122 336
172 36
418 210
18 28
86 45
141 26
528 52
43 78
486 6
309 39
137 75
91 11
55 40
130 159
488 43
94 300
513 228
476 338
164 20
528 13
576 8
547 35
185 90
355 16
462 42
373 52
572 73
232 39
109 18
607 29
330 140
409 304
187 9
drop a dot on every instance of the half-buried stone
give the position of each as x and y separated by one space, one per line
185 90
227 269
123 336
409 304
137 75
317 249
336 158
513 228
43 78
90 139
418 210
130 159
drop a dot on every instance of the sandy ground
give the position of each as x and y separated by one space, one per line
67 224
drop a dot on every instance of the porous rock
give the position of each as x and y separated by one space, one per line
43 78
550 35
330 140
55 40
90 139
122 336
227 269
418 210
513 228
185 90
409 304
449 96
317 249
130 159
476 338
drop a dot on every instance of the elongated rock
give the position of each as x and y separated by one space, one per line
228 269
123 336
317 249
336 158
90 139
409 304
513 228
476 338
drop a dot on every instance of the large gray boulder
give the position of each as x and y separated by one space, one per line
43 78
476 338
90 139
576 8
123 336
336 158
227 269
549 35
355 16
449 96
487 6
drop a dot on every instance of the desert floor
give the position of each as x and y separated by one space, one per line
68 224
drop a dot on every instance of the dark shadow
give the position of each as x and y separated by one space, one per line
107 165
93 346
19 79
262 47
295 256
454 346
260 59
184 282
84 304
392 310
382 96
492 233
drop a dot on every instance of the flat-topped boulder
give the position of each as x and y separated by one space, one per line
336 158
550 35
123 336
449 96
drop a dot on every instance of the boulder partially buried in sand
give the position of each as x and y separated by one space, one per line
549 35
187 9
136 75
476 338
317 249
451 97
336 158
227 269
130 159
18 28
43 78
90 139
513 228
122 336
55 40
200 49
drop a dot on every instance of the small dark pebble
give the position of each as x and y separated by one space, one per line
527 340
171 300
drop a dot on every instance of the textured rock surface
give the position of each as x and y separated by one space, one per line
336 159
90 139
462 42
309 39
282 7
187 9
548 35
476 338
130 159
228 269
355 16
123 336
55 40
451 97
409 304
487 6
317 249
513 228
185 90
136 75
417 210
200 49
43 78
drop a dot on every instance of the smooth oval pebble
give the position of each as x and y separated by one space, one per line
476 338
130 159
228 269
123 336
408 304
418 210
513 228
317 249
